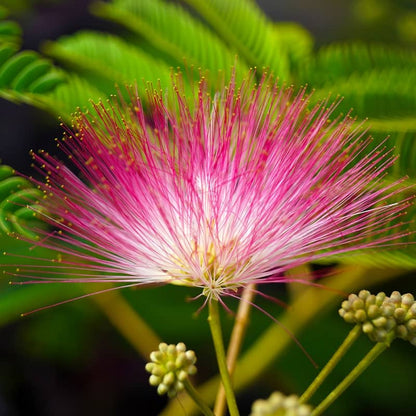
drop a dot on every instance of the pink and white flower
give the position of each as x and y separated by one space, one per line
215 191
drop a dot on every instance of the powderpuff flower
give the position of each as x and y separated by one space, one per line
215 191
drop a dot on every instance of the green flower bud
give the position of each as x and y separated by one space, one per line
280 405
170 367
154 380
376 318
382 317
404 315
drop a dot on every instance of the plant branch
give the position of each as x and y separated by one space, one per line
196 397
352 336
215 326
351 377
236 340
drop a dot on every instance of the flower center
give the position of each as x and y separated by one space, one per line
210 267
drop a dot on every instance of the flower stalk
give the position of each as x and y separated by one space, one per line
215 326
351 377
196 397
344 347
236 340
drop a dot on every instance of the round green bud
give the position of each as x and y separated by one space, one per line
371 313
280 405
154 380
170 366
405 315
382 317
162 389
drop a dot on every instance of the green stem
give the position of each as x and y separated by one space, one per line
215 326
197 399
351 377
352 336
236 340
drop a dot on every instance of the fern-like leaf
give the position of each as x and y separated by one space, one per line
339 61
379 93
399 254
403 144
403 259
18 205
174 31
75 93
244 26
109 57
24 76
20 72
296 41
10 33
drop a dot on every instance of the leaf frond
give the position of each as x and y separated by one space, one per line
379 93
296 41
339 61
404 259
109 57
24 75
10 32
244 26
18 204
171 29
75 93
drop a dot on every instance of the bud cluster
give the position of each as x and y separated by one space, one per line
170 367
382 317
280 405
405 316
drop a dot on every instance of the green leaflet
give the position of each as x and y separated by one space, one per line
6 51
76 93
339 61
403 144
11 70
378 93
10 32
18 205
172 30
296 41
244 26
402 124
32 71
24 75
109 57
394 258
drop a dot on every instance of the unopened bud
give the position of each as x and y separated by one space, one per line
382 317
369 311
280 405
170 366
